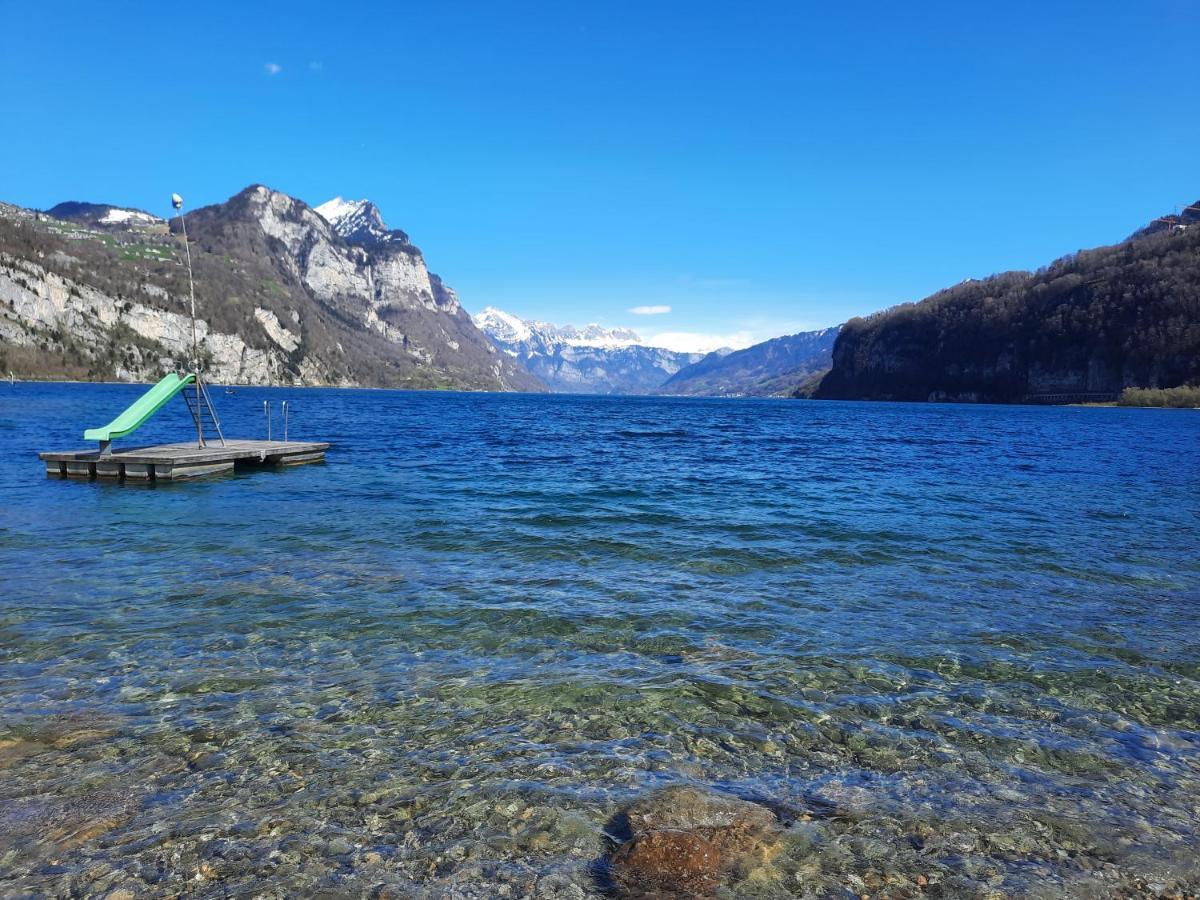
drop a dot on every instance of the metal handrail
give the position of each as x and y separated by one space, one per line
197 411
212 411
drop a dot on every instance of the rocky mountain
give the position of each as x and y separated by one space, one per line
773 368
588 360
283 296
1085 327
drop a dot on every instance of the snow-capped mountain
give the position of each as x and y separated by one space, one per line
540 337
503 328
588 360
359 222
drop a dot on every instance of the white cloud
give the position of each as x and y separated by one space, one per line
273 68
650 310
700 342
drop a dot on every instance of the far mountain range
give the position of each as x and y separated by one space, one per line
597 360
330 295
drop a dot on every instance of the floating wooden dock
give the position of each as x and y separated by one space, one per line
173 462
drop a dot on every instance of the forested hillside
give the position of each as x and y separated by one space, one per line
1090 324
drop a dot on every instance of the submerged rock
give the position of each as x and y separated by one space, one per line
686 808
683 842
64 823
15 749
680 862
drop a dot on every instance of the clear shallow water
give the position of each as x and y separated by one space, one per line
955 643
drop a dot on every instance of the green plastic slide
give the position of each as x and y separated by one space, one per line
146 406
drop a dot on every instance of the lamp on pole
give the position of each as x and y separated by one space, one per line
177 202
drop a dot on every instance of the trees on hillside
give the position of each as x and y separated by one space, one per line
1096 321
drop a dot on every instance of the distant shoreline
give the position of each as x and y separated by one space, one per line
1108 404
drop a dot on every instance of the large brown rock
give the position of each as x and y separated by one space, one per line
683 842
670 862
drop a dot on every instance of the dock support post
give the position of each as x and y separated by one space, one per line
109 469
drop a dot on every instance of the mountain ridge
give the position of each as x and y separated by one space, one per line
282 297
771 368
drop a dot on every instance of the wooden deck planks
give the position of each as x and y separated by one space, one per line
172 462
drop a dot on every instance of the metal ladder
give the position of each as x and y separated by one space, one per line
197 411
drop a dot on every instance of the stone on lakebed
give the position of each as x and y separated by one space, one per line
683 841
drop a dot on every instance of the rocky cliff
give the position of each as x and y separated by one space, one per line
1085 327
588 360
283 296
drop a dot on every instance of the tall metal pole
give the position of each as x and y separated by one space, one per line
177 202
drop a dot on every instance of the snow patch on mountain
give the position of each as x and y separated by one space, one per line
336 209
359 222
118 216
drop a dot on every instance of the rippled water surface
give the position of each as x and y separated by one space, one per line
957 649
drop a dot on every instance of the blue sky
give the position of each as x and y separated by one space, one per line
759 168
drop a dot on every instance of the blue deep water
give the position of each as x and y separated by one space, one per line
959 643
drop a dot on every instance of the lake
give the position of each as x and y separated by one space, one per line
956 649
